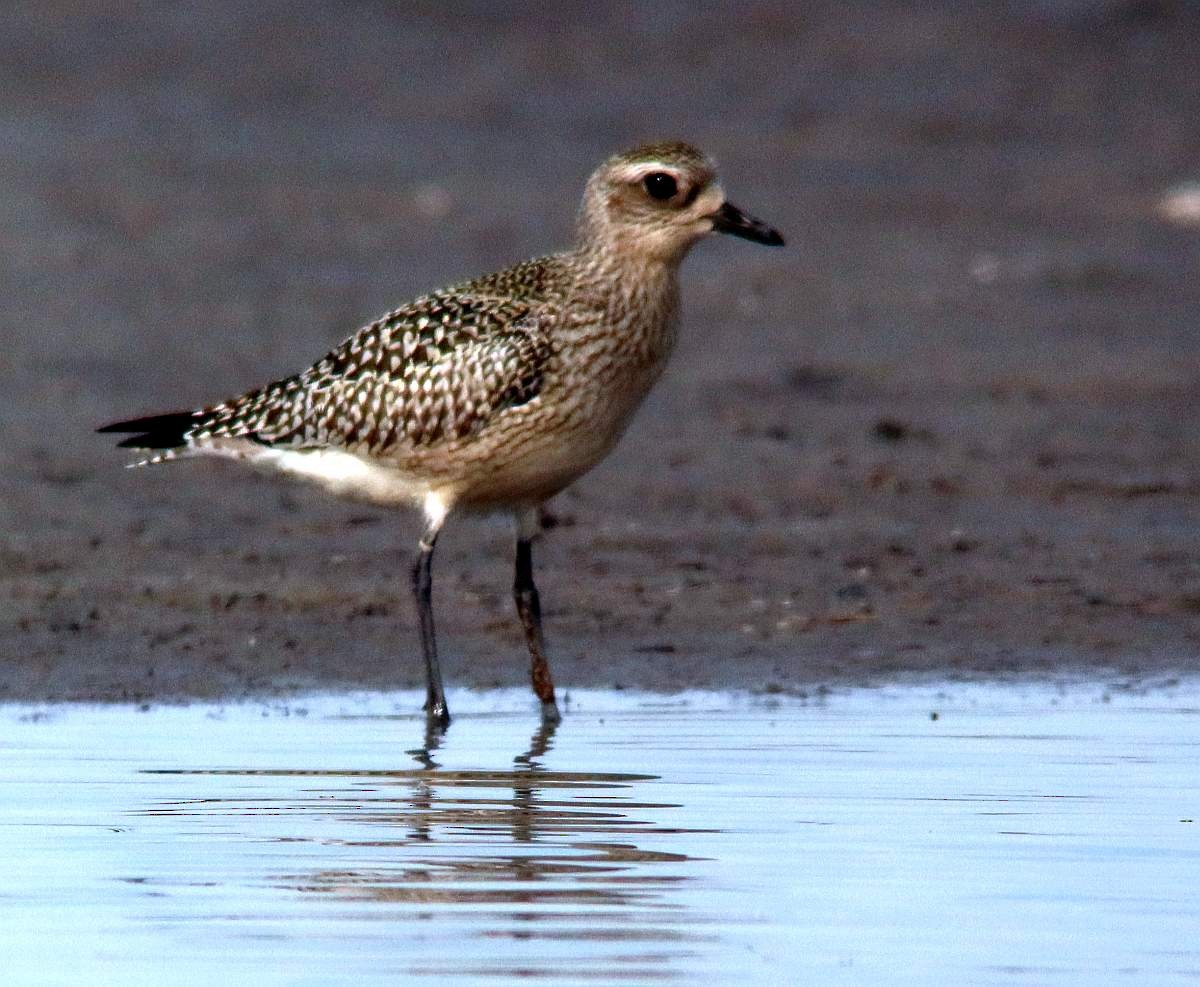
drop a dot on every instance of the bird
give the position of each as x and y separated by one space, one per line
491 395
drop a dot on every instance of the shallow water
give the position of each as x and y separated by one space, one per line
1021 836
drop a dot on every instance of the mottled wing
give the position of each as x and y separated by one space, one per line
437 370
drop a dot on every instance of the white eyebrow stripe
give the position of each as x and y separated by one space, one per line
636 172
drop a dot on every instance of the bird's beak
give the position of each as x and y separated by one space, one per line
730 219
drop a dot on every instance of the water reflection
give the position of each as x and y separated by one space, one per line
850 841
520 854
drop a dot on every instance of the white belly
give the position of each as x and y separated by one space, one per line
341 473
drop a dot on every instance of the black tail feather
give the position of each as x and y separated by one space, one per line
156 431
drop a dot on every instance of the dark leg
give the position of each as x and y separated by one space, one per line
529 609
422 585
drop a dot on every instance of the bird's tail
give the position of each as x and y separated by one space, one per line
166 434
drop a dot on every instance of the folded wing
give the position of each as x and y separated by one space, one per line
438 370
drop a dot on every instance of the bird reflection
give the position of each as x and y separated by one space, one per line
539 745
556 854
423 755
552 829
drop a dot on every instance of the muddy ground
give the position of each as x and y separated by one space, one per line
950 430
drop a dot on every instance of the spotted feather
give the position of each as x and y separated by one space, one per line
438 369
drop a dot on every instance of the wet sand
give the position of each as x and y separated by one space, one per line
949 431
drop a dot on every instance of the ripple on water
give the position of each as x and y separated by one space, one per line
1017 834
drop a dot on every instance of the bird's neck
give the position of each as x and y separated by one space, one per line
627 285
623 314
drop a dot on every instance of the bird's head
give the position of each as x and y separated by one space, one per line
657 200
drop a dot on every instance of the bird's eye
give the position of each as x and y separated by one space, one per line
660 185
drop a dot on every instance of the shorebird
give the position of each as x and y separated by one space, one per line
490 395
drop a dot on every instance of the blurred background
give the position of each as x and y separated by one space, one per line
950 429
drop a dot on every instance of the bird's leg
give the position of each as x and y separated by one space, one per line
529 609
422 586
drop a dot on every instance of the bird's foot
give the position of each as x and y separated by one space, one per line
437 713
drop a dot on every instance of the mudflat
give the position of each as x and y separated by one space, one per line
950 430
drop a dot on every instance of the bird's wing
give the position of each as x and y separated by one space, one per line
433 371
438 369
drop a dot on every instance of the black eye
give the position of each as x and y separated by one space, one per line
660 185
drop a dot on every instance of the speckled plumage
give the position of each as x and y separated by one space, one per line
436 370
494 393
453 391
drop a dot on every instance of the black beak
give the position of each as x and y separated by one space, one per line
730 219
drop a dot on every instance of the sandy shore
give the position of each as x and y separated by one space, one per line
951 430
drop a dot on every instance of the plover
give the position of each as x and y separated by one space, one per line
493 394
